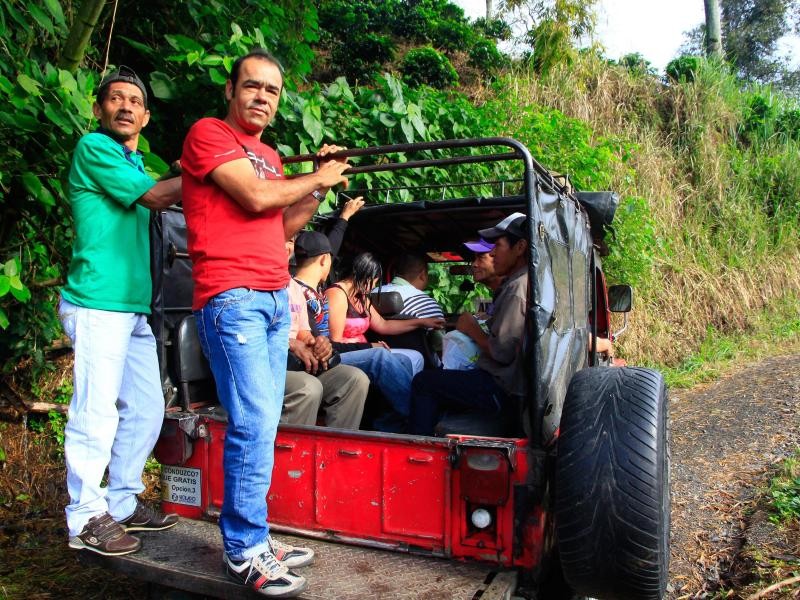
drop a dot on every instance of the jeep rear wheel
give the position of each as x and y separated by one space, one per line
612 484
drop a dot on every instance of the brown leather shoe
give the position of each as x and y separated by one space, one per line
145 518
104 535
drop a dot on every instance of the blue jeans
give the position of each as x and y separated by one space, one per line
391 372
115 414
245 337
438 390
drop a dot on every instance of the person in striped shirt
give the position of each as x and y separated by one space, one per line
411 278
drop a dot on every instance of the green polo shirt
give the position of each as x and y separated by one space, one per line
110 268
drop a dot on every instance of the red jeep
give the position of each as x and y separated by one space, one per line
568 498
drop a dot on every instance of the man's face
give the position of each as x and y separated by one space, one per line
507 257
483 267
122 112
254 102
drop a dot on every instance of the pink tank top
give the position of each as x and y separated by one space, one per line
356 322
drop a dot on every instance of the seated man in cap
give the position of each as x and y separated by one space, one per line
499 376
339 391
460 351
389 372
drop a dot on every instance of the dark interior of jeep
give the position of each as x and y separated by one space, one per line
436 229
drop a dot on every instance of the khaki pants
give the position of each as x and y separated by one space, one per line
340 392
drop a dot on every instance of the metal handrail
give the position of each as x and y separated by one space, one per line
535 177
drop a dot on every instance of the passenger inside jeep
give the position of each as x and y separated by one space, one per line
352 312
390 373
459 350
495 386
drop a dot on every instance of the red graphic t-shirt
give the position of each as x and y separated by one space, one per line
229 246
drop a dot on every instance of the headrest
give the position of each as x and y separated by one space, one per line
387 304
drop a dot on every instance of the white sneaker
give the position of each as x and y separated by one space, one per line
291 556
266 576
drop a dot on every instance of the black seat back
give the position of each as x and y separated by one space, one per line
191 365
388 304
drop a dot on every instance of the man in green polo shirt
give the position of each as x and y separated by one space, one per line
117 405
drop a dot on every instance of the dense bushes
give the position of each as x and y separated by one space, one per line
360 36
429 67
683 69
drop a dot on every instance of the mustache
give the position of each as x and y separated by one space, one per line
124 115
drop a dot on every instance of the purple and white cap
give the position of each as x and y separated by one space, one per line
480 247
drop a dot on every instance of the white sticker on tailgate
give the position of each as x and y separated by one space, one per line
180 485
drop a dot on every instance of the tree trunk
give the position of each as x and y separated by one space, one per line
489 10
713 35
82 28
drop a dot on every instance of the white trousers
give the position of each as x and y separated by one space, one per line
116 411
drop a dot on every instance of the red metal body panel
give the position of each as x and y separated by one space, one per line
401 492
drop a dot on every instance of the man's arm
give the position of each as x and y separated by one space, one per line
239 181
468 325
298 214
162 194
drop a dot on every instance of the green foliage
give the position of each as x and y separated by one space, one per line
426 66
759 116
633 244
448 290
750 34
788 124
496 29
11 284
683 69
44 111
485 56
363 57
361 35
785 491
189 56
557 27
637 64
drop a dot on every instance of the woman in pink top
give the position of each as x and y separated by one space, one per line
351 313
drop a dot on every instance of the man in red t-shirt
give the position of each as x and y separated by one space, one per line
239 212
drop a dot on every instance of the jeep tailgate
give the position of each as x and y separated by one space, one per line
189 557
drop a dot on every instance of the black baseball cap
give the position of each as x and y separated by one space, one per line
125 74
513 224
311 243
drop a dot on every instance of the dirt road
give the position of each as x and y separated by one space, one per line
726 437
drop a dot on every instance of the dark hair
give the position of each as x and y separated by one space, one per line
409 266
364 270
260 53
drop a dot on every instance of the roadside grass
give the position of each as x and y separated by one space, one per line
773 332
784 489
771 555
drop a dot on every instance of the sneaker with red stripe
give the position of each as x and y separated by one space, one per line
266 576
291 556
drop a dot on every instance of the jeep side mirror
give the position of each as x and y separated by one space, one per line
620 298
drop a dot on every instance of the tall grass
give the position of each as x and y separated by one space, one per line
720 189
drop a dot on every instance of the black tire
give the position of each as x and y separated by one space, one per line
612 497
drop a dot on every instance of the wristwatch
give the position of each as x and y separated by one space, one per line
318 196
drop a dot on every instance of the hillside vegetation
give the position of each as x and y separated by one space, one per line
708 227
707 230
